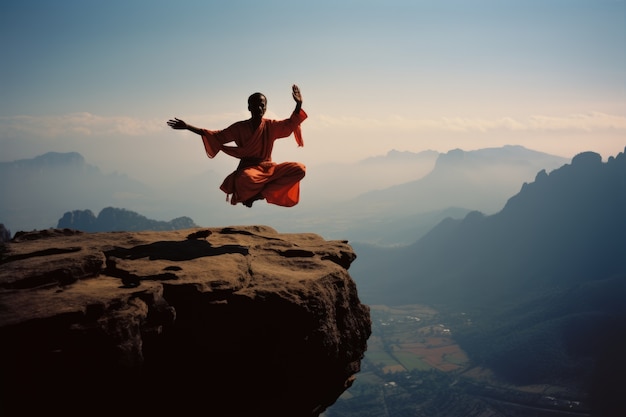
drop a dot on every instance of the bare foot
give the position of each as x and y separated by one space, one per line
248 202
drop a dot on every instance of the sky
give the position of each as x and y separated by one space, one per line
103 78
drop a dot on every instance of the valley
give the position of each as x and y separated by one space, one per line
414 367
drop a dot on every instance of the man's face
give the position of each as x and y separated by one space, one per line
257 105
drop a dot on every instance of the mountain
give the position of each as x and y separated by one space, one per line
459 182
561 228
37 191
477 180
541 284
115 219
344 181
388 199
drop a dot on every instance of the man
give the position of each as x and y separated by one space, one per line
256 176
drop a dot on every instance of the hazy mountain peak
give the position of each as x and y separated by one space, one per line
48 160
395 155
451 156
60 157
587 158
44 187
477 180
500 154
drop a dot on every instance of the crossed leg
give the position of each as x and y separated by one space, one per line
279 185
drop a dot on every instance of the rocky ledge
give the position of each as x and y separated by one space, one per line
236 321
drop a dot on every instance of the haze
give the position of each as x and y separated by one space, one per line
102 79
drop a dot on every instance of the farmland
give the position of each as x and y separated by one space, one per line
414 367
411 338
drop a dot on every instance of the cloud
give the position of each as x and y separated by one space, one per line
83 125
587 122
77 125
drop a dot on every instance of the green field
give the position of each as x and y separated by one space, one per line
412 362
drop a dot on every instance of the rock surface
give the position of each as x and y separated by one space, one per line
237 321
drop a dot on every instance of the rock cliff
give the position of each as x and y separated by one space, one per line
236 321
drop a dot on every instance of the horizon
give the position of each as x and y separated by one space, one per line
45 200
103 79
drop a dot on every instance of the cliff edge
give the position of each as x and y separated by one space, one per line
235 321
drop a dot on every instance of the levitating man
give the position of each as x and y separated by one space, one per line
257 177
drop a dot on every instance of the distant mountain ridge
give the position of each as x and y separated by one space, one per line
477 180
402 194
365 175
51 160
569 222
37 191
112 219
459 181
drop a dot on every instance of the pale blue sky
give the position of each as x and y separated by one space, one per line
102 78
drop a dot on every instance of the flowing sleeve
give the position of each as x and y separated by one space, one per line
212 145
297 134
284 128
297 131
214 140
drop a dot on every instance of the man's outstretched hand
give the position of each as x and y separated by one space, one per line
176 123
297 96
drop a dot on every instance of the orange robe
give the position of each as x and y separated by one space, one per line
256 174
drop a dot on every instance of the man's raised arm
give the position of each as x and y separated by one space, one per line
297 96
